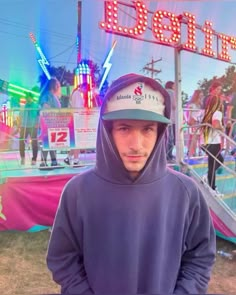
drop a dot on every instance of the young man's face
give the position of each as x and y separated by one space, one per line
135 141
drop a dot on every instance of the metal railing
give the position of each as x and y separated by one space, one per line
229 173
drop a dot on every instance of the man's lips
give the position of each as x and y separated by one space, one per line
134 157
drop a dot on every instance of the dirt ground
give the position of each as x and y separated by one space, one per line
23 269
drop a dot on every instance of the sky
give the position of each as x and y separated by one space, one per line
54 24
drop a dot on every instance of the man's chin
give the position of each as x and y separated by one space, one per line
134 168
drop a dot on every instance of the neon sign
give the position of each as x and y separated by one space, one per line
167 29
107 65
43 62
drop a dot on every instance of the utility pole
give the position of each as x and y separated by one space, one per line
149 67
78 41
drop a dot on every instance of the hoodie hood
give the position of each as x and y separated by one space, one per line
152 103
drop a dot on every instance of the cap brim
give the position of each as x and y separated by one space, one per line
135 115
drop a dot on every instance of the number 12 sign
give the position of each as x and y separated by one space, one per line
59 137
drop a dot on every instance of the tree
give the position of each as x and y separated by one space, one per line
228 81
67 78
184 97
64 76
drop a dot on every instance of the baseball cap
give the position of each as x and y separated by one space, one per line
136 97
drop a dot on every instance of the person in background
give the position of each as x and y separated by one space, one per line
214 90
212 139
231 120
50 99
130 225
194 118
29 120
170 87
76 101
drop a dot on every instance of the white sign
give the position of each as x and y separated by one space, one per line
58 138
85 128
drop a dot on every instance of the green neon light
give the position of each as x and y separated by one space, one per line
10 86
17 92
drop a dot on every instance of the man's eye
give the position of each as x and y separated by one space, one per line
123 129
148 129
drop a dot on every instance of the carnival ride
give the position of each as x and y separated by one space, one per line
222 206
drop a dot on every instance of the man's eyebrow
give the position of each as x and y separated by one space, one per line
123 124
130 125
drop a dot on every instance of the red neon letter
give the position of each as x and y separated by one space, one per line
233 42
158 27
111 19
226 41
207 29
191 25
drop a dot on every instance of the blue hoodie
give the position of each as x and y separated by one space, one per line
115 235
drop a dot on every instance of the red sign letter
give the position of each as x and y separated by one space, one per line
111 19
226 41
207 29
173 26
191 24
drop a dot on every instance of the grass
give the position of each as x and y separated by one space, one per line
23 268
22 264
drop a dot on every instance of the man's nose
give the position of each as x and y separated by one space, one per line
136 140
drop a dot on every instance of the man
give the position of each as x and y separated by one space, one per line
131 225
50 99
29 119
170 87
